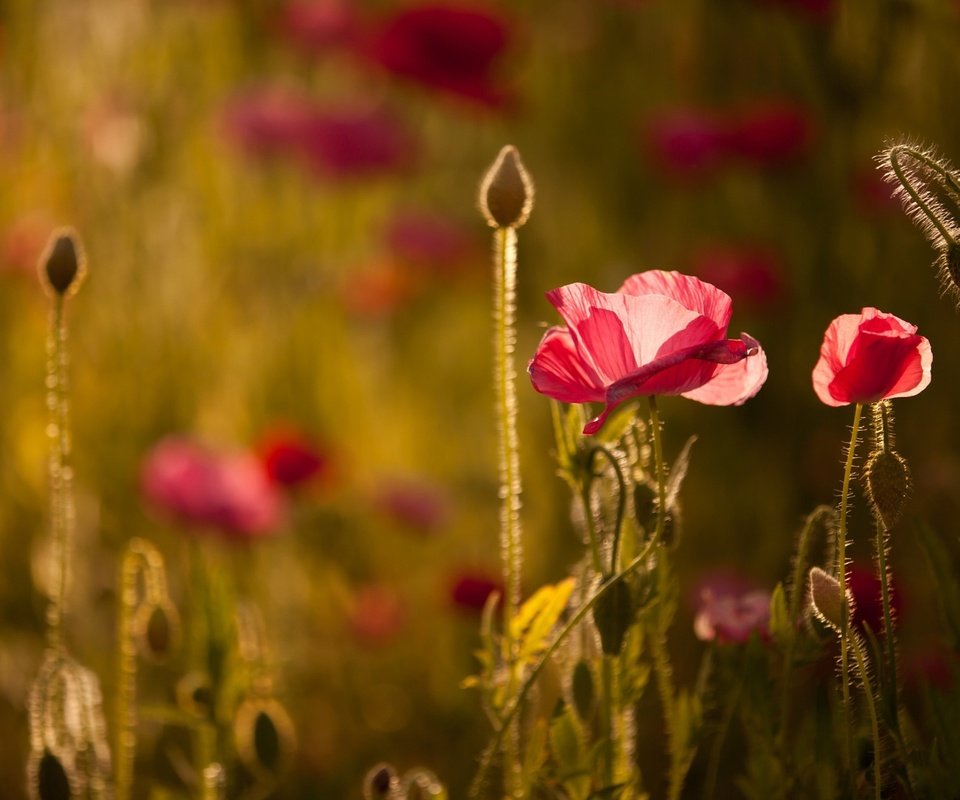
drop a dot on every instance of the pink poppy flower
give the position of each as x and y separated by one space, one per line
660 333
414 503
316 26
731 617
452 48
686 142
770 133
377 615
266 121
864 585
227 491
871 356
428 242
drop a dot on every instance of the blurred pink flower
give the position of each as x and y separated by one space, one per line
449 47
661 333
428 242
873 195
770 133
376 615
23 242
469 590
266 121
864 585
871 356
821 11
685 142
728 616
291 459
355 142
414 503
226 491
317 26
752 276
378 289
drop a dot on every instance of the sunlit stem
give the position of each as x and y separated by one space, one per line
61 477
917 197
842 578
949 179
854 645
656 433
505 287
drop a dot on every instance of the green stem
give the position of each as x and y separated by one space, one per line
621 500
871 710
842 578
948 178
505 281
915 196
661 469
713 768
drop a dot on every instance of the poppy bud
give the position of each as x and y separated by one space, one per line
582 690
62 263
506 192
825 598
157 631
50 778
886 479
613 615
950 257
381 783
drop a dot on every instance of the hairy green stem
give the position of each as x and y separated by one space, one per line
949 179
858 655
916 196
842 578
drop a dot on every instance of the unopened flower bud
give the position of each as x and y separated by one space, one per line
62 264
825 598
506 191
381 783
582 690
613 615
886 479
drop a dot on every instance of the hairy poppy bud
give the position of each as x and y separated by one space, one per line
825 598
613 615
381 782
62 263
886 478
506 192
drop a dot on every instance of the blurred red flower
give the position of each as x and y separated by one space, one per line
864 585
821 11
414 503
660 333
226 491
266 121
291 459
448 47
731 617
317 26
770 133
871 356
428 242
376 616
685 142
469 590
750 275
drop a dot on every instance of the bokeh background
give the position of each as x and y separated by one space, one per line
277 202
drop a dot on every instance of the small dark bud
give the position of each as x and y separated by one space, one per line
62 263
52 779
157 631
381 783
886 479
506 191
645 504
825 598
582 690
613 615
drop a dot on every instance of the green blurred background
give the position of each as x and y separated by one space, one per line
336 279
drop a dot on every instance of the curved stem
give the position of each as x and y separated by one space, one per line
916 196
949 179
621 501
842 577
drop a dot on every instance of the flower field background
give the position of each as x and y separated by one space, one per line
281 355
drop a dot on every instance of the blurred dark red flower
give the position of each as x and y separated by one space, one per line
376 615
266 121
730 616
873 195
292 459
751 275
226 491
317 26
864 585
821 11
428 242
449 47
770 133
355 142
414 503
685 142
469 590
378 289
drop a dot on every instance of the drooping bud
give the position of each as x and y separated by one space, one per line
613 615
62 264
886 480
506 191
825 598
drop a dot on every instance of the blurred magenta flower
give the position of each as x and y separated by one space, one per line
266 121
445 46
871 356
770 133
355 142
660 333
428 242
821 11
413 502
226 491
685 142
864 585
873 195
378 289
376 615
728 616
292 459
23 242
470 589
317 26
750 275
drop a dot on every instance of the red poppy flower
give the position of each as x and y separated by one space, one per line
871 356
291 459
770 133
413 503
661 333
685 143
266 121
470 590
318 25
447 47
227 491
751 275
731 617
